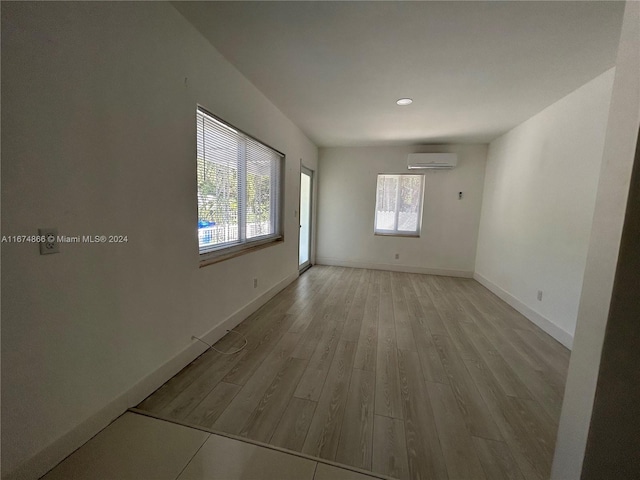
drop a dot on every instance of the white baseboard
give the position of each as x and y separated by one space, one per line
54 453
564 337
394 268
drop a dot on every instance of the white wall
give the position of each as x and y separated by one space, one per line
347 197
98 137
539 197
606 232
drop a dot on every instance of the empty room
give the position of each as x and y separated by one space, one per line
320 240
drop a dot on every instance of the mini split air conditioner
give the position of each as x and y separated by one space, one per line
418 161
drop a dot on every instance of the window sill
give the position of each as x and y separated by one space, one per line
406 235
217 257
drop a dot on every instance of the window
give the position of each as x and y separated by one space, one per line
399 205
239 198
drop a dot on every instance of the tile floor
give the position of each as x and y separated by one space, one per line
137 447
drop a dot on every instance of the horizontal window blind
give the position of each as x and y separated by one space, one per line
238 187
399 201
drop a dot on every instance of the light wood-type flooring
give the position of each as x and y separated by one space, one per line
406 375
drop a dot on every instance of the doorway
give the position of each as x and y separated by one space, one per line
306 193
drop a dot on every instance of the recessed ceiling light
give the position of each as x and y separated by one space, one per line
404 101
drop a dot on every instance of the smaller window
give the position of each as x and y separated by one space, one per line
399 205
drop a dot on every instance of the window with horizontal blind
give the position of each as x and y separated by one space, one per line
239 198
399 201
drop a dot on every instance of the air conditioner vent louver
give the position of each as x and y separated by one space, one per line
418 161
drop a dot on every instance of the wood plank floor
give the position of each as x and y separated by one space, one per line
406 375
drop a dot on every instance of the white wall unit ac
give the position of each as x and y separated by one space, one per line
418 161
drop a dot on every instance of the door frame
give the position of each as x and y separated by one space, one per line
307 171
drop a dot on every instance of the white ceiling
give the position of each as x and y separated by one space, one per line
473 69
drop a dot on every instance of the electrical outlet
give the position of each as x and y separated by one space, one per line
540 295
255 283
50 244
397 256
